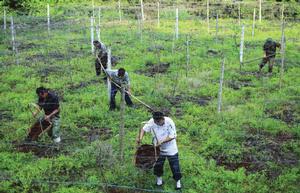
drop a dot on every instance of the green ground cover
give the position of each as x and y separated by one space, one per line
251 146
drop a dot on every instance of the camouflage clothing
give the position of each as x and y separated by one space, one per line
270 53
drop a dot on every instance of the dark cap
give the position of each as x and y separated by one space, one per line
157 115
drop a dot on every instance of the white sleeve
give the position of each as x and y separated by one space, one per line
171 128
147 126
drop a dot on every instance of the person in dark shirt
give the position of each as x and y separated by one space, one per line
269 54
49 102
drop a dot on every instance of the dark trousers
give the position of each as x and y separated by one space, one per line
98 65
174 165
269 59
113 92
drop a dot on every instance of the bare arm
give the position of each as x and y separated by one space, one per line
140 136
165 140
47 118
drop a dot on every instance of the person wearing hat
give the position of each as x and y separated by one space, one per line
163 131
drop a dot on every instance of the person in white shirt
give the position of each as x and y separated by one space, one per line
163 131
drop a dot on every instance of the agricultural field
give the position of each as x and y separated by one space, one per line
238 130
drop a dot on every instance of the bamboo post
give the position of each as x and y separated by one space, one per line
260 1
221 86
158 20
99 25
4 20
242 46
239 13
92 34
122 124
108 68
207 15
120 14
48 17
187 56
253 24
93 7
282 50
140 28
217 26
177 25
142 11
12 33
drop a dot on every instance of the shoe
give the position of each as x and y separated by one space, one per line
57 140
159 181
178 185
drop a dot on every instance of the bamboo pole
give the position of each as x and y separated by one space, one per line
93 7
92 34
221 86
4 20
120 14
260 2
282 50
187 56
142 11
253 23
12 33
48 17
242 46
158 15
99 25
217 26
122 123
177 25
108 68
239 13
207 15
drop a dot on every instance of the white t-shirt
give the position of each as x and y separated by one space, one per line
162 132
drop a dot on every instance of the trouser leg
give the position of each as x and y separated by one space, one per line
55 127
263 63
128 99
113 93
159 166
98 67
174 165
271 64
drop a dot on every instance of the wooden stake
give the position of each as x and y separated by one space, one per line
4 20
221 86
122 123
108 68
92 35
93 7
239 13
48 17
242 46
177 25
158 21
12 33
120 14
253 24
207 15
260 1
282 50
99 25
217 27
142 11
187 56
